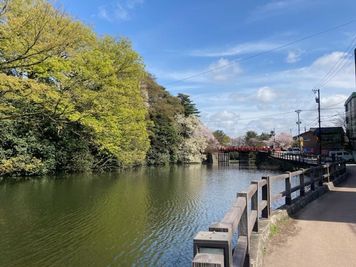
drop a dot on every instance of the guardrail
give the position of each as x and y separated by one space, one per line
309 159
215 246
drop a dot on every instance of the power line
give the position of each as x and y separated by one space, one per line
337 70
273 115
321 109
334 105
340 64
265 52
256 117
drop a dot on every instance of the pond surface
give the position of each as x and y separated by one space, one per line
145 217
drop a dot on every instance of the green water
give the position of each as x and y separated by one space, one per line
145 217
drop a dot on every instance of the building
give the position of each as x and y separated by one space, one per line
350 111
332 138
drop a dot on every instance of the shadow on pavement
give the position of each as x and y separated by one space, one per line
339 205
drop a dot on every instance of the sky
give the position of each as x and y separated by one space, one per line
248 65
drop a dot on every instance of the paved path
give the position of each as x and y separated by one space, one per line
325 232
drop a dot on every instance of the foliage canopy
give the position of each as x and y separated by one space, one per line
70 100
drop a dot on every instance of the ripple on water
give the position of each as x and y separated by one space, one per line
144 218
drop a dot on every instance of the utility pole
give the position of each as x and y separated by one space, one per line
298 123
317 100
355 63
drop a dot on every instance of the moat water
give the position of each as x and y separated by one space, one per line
145 217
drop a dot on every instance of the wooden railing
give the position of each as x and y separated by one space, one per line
309 159
215 246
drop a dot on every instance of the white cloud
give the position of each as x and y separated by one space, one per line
226 120
292 89
103 13
332 71
275 7
240 49
263 97
131 4
329 59
263 125
266 94
250 97
119 11
224 70
333 101
293 56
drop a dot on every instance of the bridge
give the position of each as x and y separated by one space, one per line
239 239
225 149
247 156
296 158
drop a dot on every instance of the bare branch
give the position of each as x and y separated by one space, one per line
4 7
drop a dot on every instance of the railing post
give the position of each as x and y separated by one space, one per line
302 184
206 242
331 171
320 175
255 205
244 228
312 180
266 195
288 189
328 172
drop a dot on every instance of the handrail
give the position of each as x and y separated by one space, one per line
303 158
215 246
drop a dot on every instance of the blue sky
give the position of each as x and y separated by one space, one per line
221 47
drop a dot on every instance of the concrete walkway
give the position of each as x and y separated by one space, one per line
325 232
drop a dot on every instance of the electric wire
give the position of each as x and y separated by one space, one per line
265 52
340 64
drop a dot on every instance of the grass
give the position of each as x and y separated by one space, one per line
274 229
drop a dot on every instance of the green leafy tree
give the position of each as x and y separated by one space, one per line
189 106
72 101
222 138
86 88
36 37
253 139
164 134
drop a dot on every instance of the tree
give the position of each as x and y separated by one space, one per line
34 32
282 140
212 142
189 106
72 88
253 139
340 120
163 129
194 144
108 95
70 100
238 141
222 138
3 7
